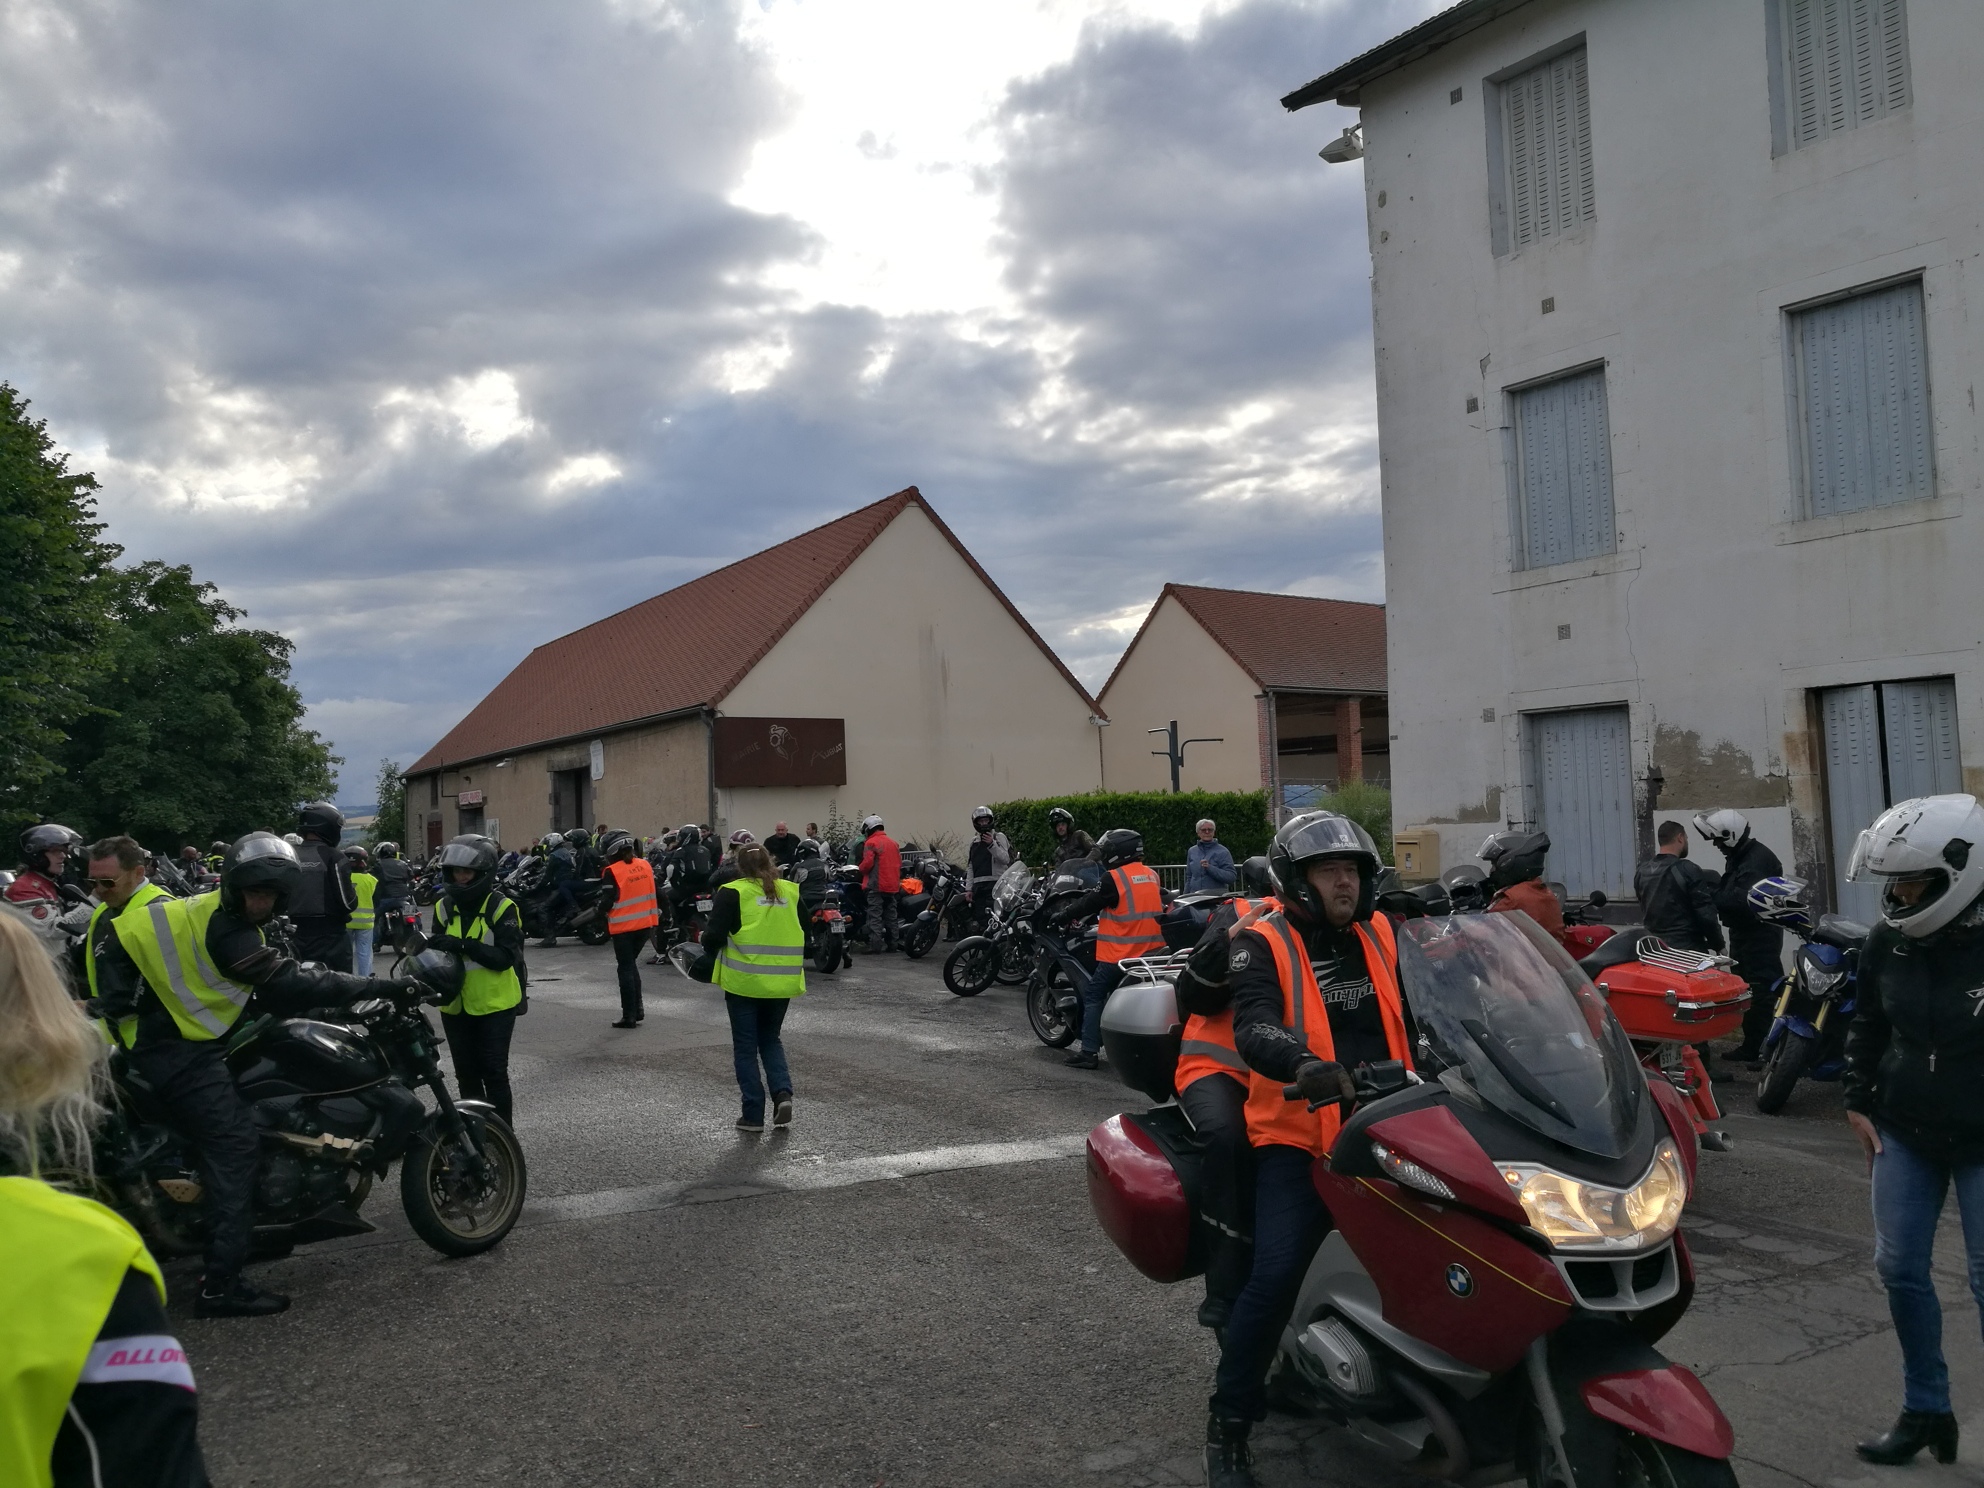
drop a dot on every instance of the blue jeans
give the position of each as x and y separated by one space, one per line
1106 979
361 952
1909 1190
1290 1221
754 1026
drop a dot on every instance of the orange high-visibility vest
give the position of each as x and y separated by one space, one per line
635 908
1130 929
1208 1047
1271 1118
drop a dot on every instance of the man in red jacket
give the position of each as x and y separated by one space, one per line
881 876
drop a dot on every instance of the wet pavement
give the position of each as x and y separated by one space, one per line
908 1287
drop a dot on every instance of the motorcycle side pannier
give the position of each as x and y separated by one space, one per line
1141 1029
1143 1181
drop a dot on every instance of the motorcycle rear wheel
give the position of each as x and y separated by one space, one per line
1788 1062
826 955
1051 1025
918 939
447 1204
970 968
593 933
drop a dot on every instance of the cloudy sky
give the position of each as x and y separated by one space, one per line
429 332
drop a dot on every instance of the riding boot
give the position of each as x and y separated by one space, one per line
1912 1431
1229 1462
230 1296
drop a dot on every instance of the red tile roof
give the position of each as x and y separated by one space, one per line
1286 641
684 649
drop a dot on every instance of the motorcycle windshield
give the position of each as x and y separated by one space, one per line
1014 882
1508 1015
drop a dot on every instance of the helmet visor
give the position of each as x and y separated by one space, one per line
465 855
263 845
1859 867
1905 894
1329 836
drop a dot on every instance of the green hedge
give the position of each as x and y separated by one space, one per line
1168 821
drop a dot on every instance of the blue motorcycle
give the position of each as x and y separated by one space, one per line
1815 1004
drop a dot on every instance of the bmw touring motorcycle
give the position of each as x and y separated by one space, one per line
1506 1250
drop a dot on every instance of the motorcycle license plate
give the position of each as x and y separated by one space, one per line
704 906
839 927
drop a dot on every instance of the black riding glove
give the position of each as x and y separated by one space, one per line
1323 1082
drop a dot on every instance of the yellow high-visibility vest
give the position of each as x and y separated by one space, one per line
168 940
125 1029
766 957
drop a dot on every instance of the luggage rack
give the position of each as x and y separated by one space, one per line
1154 968
1654 951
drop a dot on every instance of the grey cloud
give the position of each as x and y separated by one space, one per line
238 229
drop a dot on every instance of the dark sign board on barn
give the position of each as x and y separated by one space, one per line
781 751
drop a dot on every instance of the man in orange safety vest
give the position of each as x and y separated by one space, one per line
627 894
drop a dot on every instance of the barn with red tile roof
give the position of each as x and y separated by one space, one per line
1284 692
869 665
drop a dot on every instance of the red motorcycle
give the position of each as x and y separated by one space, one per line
1506 1249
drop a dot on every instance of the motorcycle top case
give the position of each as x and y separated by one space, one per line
1659 1004
1142 1029
1143 1181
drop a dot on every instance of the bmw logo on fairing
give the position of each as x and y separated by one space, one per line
1460 1281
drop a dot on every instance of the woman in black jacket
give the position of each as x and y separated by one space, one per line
1915 1084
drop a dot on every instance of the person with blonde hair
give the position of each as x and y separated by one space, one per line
94 1388
759 949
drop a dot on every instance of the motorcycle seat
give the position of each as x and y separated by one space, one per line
1839 931
1621 948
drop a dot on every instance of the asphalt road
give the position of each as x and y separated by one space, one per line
908 1287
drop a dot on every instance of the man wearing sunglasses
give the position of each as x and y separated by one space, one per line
118 881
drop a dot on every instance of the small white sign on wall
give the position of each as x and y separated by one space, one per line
492 829
598 759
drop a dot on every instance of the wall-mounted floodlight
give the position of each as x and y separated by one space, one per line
1345 147
1098 720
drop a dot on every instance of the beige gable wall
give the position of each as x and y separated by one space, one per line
1178 671
949 703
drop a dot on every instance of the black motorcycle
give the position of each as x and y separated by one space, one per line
546 915
920 915
1003 950
1065 960
335 1105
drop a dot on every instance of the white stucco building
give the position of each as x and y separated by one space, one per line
869 665
1676 392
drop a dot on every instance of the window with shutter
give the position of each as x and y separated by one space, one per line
1546 120
1563 475
1846 63
1862 376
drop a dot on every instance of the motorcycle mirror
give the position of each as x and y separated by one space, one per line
1598 899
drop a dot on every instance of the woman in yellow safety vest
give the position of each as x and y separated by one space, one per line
93 1386
364 919
760 952
487 930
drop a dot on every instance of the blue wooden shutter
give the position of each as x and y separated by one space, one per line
1847 64
1919 721
1581 790
1547 119
1856 788
1564 450
1863 380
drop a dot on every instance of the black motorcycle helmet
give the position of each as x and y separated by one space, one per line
578 837
261 860
1119 845
356 856
807 848
470 851
1314 837
1514 857
1059 817
387 850
1256 882
619 846
320 819
439 971
37 842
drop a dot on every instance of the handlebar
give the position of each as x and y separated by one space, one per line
1373 1082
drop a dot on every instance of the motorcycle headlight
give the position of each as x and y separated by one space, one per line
1820 978
1575 1215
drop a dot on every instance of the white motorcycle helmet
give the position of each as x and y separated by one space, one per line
1726 829
1928 856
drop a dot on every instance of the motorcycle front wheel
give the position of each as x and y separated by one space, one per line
1015 960
918 939
450 1203
1641 1461
593 933
1051 1025
1787 1063
970 968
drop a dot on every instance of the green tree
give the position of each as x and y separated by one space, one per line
391 818
192 731
53 568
